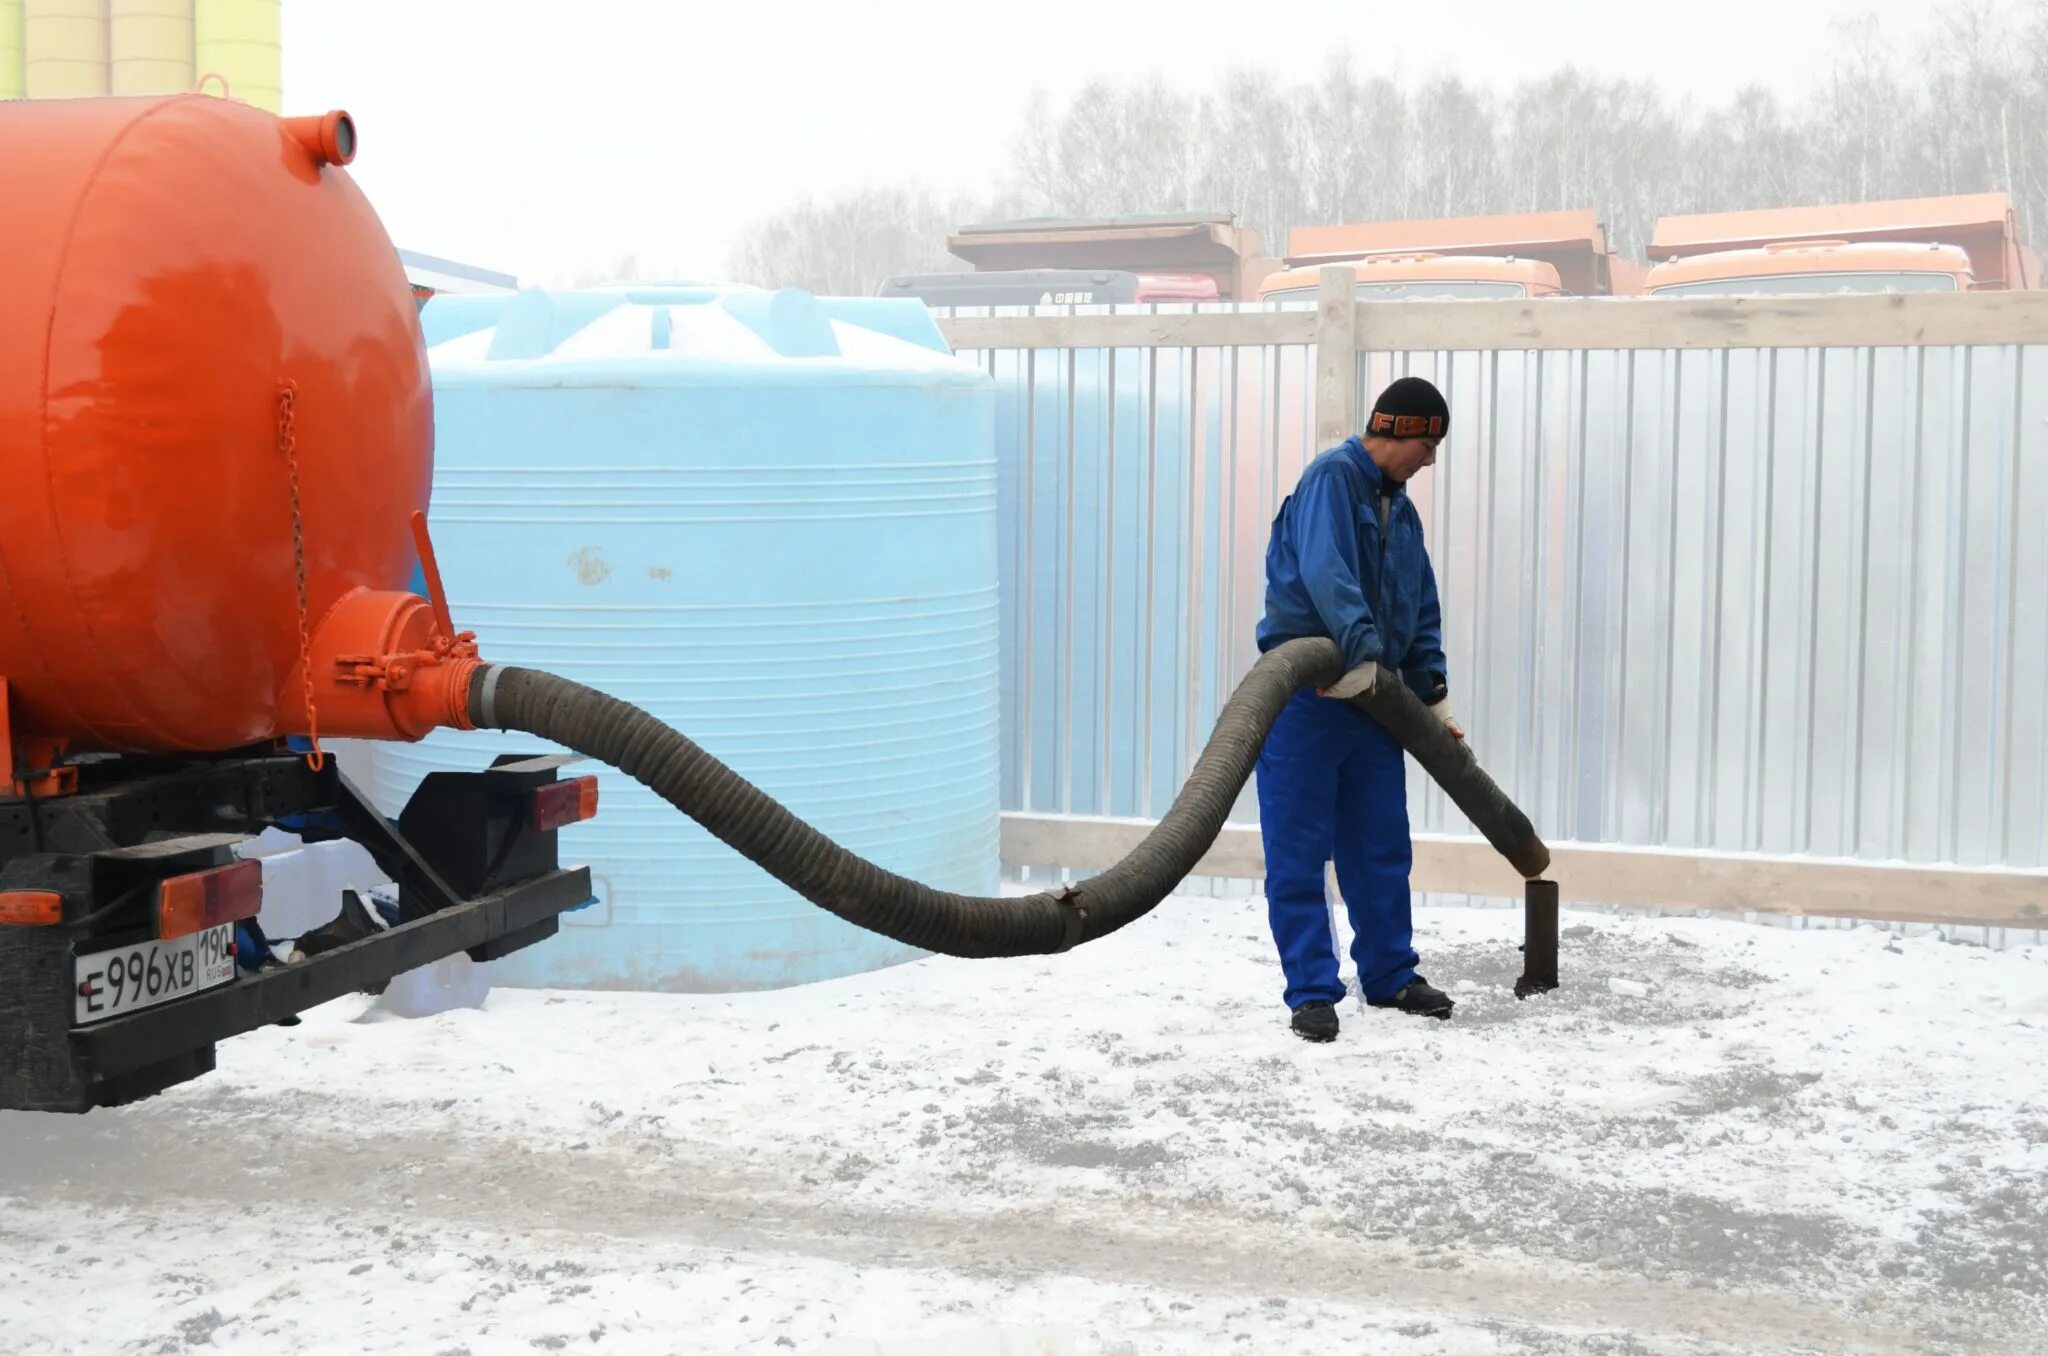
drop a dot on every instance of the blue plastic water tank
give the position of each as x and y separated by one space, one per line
769 520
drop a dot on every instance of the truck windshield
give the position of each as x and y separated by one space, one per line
1811 284
1413 291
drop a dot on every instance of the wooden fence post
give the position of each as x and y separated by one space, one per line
1336 355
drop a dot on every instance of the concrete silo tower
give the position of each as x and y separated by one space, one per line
71 49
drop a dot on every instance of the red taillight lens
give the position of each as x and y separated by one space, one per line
560 803
206 899
31 908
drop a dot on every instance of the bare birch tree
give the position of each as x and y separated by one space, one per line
1967 114
849 246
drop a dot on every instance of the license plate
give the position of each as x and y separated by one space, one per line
114 983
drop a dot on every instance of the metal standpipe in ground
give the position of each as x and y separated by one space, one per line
1456 768
1539 938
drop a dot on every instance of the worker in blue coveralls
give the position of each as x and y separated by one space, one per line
1347 562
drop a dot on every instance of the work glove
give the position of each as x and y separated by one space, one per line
1442 711
1357 683
1364 679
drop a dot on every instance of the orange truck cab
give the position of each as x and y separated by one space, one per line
1540 254
1409 277
1955 244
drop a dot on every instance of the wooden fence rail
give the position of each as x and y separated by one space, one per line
1904 320
1605 874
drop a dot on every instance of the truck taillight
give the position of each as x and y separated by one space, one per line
560 803
206 899
31 908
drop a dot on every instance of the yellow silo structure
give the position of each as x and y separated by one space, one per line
242 42
64 45
149 46
11 83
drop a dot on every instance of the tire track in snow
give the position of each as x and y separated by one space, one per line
329 1158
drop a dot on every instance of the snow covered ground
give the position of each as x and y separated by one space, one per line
1817 1141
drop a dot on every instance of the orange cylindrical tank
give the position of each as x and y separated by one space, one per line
170 267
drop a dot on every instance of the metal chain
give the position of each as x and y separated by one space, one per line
287 443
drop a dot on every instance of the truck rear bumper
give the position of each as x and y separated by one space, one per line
474 857
486 928
137 1056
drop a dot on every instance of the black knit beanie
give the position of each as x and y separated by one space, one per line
1410 408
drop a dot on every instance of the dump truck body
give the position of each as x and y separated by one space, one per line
1786 248
1204 245
1571 245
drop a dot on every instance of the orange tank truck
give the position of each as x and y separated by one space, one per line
186 278
1542 254
1953 244
216 442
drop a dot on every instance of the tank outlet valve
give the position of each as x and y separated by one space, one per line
331 137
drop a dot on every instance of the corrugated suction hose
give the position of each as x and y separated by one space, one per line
751 822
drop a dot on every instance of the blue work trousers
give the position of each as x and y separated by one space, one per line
1333 786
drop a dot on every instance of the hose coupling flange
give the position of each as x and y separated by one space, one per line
1076 918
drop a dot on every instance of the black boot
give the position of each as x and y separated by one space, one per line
1316 1020
1418 999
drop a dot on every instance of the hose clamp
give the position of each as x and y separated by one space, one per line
1069 900
487 700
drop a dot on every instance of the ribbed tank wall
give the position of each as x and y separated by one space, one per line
149 46
65 45
771 522
241 41
12 82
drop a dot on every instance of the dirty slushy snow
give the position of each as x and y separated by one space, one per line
1716 1138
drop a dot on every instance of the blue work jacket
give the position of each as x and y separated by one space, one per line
1347 561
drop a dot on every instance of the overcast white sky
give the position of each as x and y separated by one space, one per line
544 138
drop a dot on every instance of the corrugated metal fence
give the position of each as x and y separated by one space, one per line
1786 601
1778 597
1136 488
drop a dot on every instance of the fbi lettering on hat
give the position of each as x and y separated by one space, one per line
1410 408
1407 425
